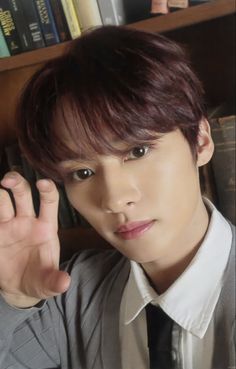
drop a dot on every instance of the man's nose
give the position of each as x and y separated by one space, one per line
119 192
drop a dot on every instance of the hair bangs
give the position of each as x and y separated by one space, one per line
80 134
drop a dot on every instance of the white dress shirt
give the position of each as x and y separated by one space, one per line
190 301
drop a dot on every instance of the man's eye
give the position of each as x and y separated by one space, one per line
138 152
82 174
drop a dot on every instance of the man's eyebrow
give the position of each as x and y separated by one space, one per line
127 146
71 162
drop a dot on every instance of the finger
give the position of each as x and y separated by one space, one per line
6 207
21 192
56 282
49 199
51 283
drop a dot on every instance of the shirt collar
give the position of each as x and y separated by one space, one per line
191 299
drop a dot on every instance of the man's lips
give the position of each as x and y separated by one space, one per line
133 230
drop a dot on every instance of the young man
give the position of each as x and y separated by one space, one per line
121 121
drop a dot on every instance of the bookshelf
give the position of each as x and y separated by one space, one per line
165 23
207 31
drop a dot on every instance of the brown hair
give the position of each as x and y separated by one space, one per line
111 82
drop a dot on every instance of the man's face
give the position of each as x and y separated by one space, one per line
146 203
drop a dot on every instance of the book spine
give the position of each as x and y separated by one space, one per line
9 28
112 12
3 45
71 17
159 7
107 12
135 11
119 11
88 14
178 4
60 20
21 26
223 164
32 21
47 22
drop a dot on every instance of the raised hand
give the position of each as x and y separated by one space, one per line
29 245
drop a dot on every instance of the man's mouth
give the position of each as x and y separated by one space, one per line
134 230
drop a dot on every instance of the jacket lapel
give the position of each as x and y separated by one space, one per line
110 340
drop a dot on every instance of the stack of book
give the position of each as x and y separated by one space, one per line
31 24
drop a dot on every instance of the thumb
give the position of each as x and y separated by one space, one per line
56 282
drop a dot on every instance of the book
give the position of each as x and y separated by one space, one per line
112 12
60 20
3 45
178 4
223 164
47 22
71 18
137 10
88 14
21 25
32 21
9 29
159 7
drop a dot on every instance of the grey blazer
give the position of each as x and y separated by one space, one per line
80 329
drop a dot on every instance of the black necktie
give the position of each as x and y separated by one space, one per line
159 331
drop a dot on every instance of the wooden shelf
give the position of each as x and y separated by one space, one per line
178 19
32 57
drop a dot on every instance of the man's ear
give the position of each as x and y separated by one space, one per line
205 147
